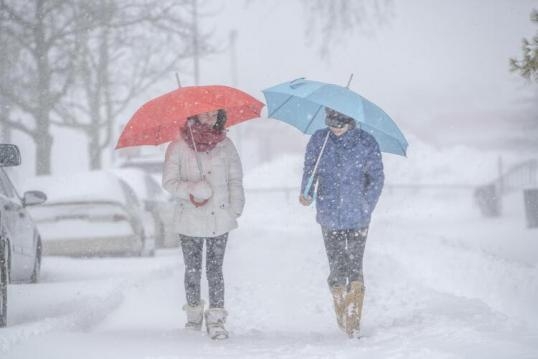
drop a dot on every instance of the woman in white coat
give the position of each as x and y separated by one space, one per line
203 170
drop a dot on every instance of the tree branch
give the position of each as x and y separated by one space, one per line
19 126
14 15
17 100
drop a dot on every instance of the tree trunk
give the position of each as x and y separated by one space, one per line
94 149
43 143
5 130
42 137
95 156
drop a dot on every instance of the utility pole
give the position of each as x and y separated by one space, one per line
195 48
233 72
233 57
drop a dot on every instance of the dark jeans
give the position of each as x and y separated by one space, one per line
345 250
192 254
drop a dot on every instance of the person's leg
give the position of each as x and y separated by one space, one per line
356 241
216 314
216 247
192 257
335 247
192 248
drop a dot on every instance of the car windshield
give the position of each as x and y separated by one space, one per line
8 187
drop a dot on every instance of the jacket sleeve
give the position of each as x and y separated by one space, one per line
171 173
309 163
235 182
375 176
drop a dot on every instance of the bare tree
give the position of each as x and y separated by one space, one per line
81 63
333 20
132 45
45 32
9 55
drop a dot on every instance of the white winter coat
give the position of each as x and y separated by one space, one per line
222 169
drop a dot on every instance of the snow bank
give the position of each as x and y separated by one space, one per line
425 164
437 234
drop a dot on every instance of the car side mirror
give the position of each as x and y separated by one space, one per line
9 155
33 198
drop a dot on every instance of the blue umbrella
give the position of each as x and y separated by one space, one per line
301 103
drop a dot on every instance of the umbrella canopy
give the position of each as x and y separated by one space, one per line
159 120
301 103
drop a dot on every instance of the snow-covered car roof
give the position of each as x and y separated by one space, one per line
151 163
144 185
91 186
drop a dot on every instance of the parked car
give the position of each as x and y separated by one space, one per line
157 203
91 214
20 242
153 165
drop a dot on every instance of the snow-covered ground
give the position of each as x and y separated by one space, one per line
442 282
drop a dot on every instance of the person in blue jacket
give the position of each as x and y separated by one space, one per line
349 179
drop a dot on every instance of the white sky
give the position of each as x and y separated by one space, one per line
439 68
437 63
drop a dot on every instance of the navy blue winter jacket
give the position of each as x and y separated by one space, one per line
350 175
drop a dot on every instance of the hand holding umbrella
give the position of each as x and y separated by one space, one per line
305 199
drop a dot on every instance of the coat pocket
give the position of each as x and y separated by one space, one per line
178 210
226 208
364 205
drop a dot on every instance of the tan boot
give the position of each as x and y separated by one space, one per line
353 308
195 316
339 293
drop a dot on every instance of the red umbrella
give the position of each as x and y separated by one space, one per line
159 120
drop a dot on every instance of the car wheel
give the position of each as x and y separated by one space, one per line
159 234
4 278
37 263
148 246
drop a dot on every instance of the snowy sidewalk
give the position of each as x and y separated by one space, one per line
430 294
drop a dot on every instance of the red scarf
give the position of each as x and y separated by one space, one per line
205 136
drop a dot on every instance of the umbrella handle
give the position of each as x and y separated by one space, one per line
308 186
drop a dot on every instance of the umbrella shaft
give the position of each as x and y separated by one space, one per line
311 179
196 155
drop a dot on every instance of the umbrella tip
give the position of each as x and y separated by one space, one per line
296 82
349 81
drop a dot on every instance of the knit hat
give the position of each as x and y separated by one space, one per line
336 119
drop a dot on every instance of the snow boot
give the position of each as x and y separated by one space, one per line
339 294
214 321
195 316
353 308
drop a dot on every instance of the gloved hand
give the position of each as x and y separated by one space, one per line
201 190
305 201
